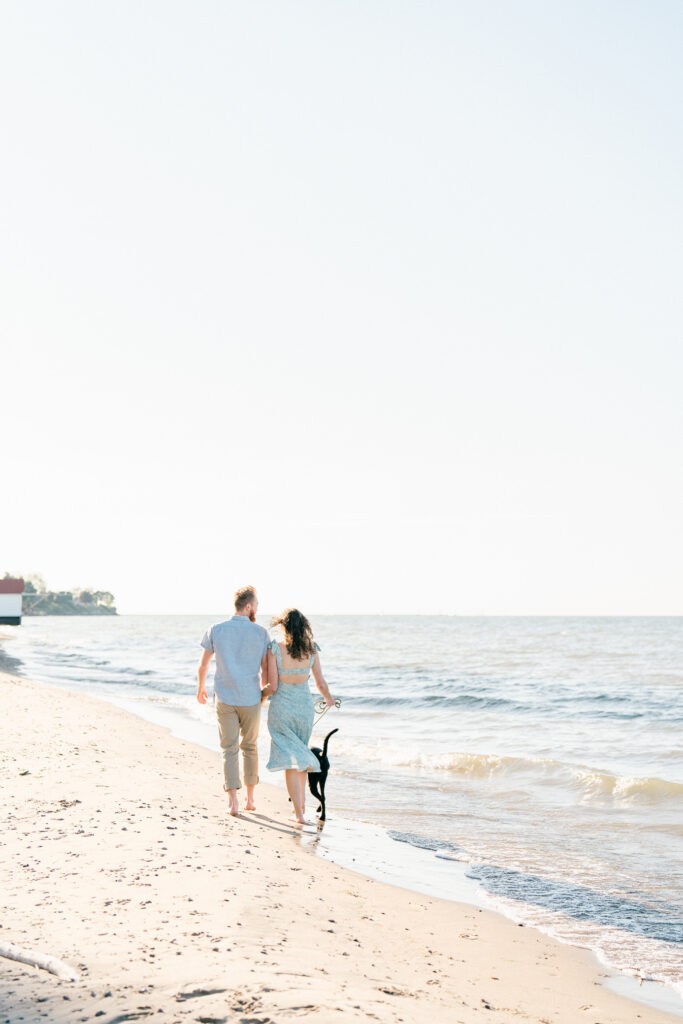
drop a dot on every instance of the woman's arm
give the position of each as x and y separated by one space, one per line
320 681
271 687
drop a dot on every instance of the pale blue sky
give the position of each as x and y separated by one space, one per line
374 305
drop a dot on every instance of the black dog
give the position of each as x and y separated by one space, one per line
316 780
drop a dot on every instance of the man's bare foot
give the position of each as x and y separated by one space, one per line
250 805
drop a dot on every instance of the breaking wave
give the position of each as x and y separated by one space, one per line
587 784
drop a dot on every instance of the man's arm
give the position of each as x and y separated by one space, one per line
264 676
202 671
271 677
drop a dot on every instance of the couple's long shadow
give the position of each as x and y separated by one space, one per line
264 821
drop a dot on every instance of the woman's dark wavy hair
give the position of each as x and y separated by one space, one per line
298 633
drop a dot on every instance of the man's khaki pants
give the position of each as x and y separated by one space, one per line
233 722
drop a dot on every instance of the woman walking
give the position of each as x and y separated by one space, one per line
291 713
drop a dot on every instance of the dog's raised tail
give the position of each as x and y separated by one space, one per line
326 739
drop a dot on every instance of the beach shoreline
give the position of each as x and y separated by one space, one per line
120 858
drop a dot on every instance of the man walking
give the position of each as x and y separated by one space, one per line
240 646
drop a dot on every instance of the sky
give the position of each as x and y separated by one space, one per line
375 306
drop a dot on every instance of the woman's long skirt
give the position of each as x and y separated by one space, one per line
290 723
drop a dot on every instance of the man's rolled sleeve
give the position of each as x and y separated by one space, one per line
207 640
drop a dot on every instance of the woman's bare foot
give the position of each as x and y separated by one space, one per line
234 806
299 821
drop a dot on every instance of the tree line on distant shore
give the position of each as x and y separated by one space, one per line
38 600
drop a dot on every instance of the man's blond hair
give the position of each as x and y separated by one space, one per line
243 597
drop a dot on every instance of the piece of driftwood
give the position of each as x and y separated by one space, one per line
46 963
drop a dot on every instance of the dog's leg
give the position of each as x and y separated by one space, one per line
313 786
323 779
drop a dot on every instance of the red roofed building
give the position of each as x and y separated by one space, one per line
10 602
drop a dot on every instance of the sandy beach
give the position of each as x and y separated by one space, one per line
119 858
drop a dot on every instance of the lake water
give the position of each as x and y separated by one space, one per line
544 754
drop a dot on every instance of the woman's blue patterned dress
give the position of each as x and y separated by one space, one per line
290 721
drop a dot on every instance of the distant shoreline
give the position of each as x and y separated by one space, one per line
65 614
63 602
